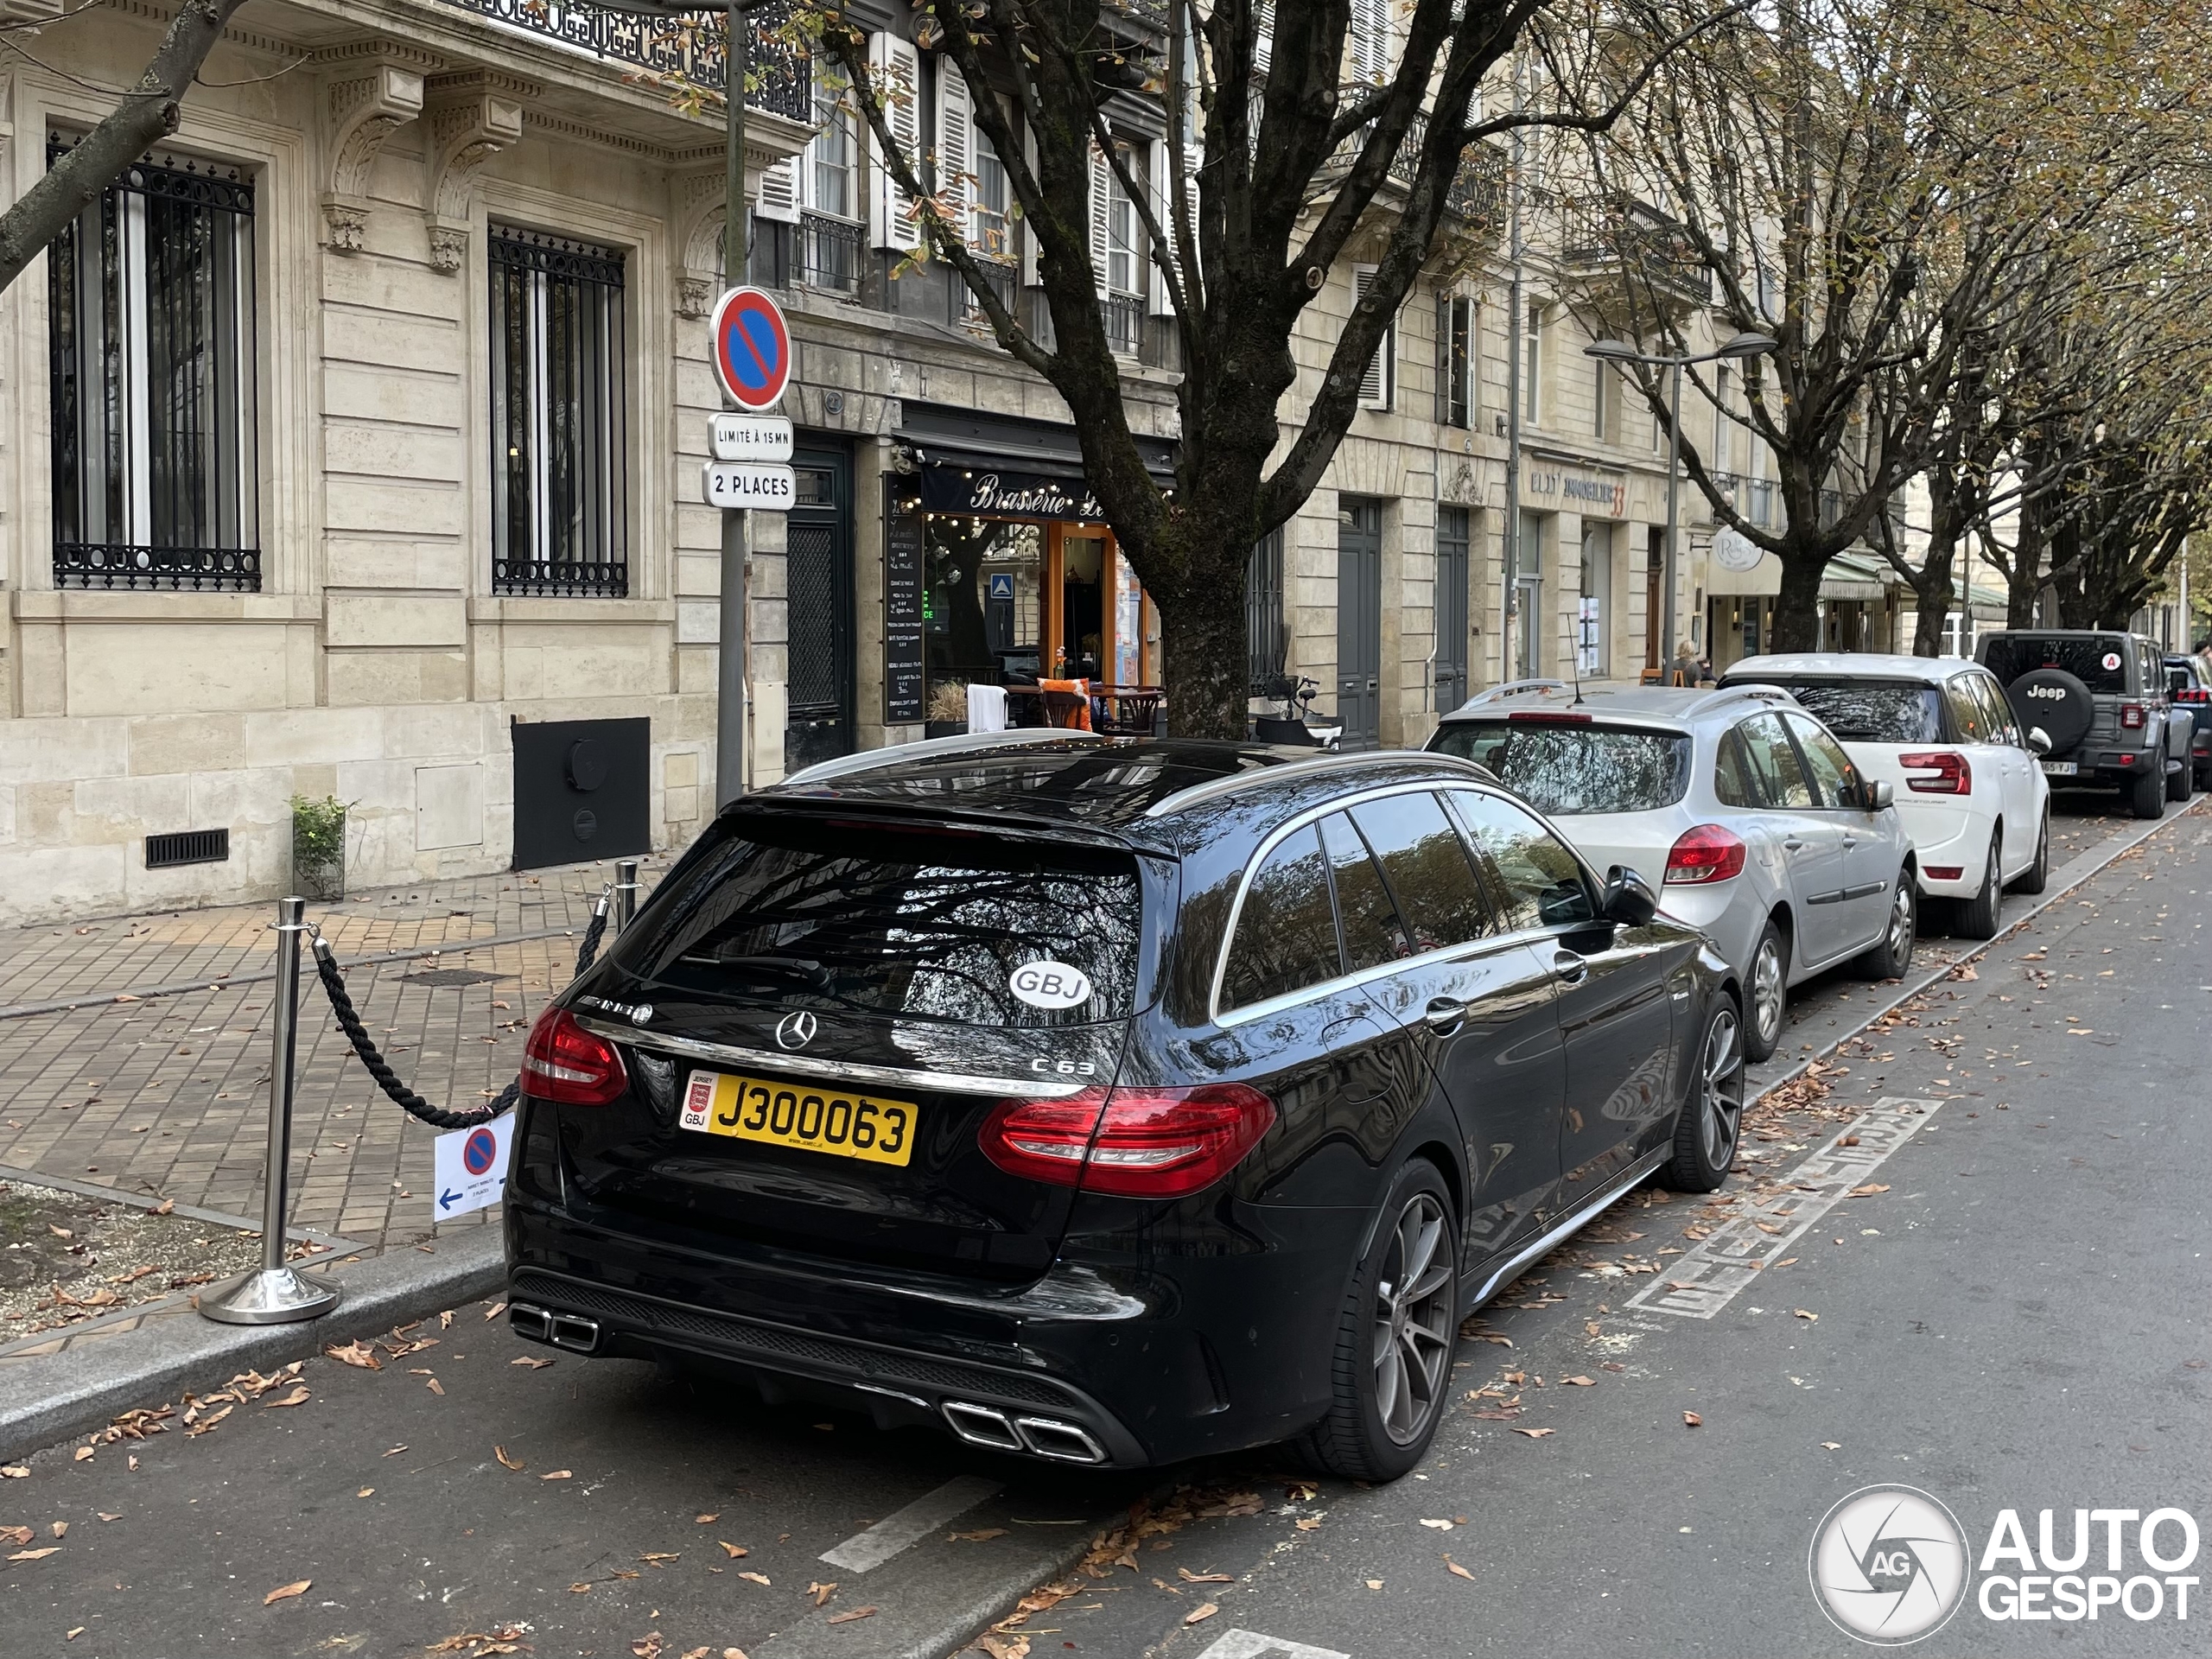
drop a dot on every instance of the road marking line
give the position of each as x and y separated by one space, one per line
908 1527
1250 1644
1701 1282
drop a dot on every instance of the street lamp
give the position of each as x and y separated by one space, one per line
1617 351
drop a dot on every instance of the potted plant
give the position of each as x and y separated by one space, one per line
319 848
948 713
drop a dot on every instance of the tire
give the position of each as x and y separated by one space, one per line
2146 795
2181 782
1766 980
1386 1405
1892 957
1980 916
2036 876
1711 1122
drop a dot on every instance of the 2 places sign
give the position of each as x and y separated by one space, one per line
742 484
752 363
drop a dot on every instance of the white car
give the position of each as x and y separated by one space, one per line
1736 805
1939 731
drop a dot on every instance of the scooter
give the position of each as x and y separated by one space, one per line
1297 725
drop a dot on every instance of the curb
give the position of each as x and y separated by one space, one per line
74 1394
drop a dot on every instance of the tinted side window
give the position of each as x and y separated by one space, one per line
1425 863
1774 761
1732 784
2003 728
1968 715
1287 930
1833 772
1540 881
1372 933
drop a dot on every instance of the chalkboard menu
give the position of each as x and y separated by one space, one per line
902 608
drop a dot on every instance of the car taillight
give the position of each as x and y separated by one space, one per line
563 1062
2131 715
1133 1143
2199 695
1938 773
1703 855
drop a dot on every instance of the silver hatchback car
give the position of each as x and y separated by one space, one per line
1736 805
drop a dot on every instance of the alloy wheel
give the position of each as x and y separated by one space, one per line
1900 940
1720 1086
1413 1320
1766 989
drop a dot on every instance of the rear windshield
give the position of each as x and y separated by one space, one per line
2100 662
890 920
1566 770
1870 711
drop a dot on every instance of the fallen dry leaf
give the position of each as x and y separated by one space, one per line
435 1386
655 1557
1441 1526
16 1534
366 1492
1868 1190
1831 1446
358 1354
706 1520
733 1551
394 1452
847 1619
1374 1584
60 1530
36 1555
1189 1577
559 1474
286 1591
757 1578
1310 1524
647 1646
1534 1433
84 1453
1205 1609
58 1232
494 1310
1691 1420
14 1471
298 1396
1456 1570
982 1535
515 1464
1579 1382
167 1206
534 1365
1803 1314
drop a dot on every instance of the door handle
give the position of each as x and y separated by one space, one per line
1793 845
1851 841
1570 969
1445 1015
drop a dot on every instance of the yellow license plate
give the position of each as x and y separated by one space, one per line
787 1114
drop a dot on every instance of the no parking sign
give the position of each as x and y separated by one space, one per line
752 347
471 1167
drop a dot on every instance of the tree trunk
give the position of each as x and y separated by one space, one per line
1932 587
1202 651
1797 606
147 111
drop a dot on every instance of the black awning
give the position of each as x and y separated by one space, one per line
942 436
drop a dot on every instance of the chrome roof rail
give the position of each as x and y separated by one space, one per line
845 765
1234 781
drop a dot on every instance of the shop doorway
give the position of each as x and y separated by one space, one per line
1529 597
1654 596
818 712
1359 621
1593 644
1452 632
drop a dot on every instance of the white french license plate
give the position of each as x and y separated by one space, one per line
2061 769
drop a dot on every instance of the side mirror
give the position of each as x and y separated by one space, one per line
2038 740
1877 795
1628 897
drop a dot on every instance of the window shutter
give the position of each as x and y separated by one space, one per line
1263 39
1029 248
1159 184
895 67
956 149
1374 384
1369 45
1101 178
778 194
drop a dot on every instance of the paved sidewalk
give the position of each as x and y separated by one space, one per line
158 1091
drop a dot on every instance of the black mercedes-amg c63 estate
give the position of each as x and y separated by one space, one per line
1110 1101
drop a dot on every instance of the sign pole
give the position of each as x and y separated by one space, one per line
731 682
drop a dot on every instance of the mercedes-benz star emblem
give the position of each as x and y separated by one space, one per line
795 1030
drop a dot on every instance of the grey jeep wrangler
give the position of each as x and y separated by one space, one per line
2101 701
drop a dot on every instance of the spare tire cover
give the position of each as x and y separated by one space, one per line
2057 702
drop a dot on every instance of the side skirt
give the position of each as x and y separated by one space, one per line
1502 1275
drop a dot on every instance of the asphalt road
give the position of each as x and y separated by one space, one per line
2012 1322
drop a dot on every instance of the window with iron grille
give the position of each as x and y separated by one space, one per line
1264 641
559 461
150 307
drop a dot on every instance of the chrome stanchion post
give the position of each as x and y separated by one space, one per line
626 892
274 1294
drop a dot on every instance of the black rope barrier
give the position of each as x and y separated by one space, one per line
379 1068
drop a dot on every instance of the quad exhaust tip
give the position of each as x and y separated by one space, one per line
1043 1437
569 1331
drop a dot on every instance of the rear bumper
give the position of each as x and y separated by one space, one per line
1106 1367
1947 837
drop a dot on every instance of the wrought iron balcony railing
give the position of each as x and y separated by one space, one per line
123 566
826 253
1124 322
1634 240
690 48
1478 191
